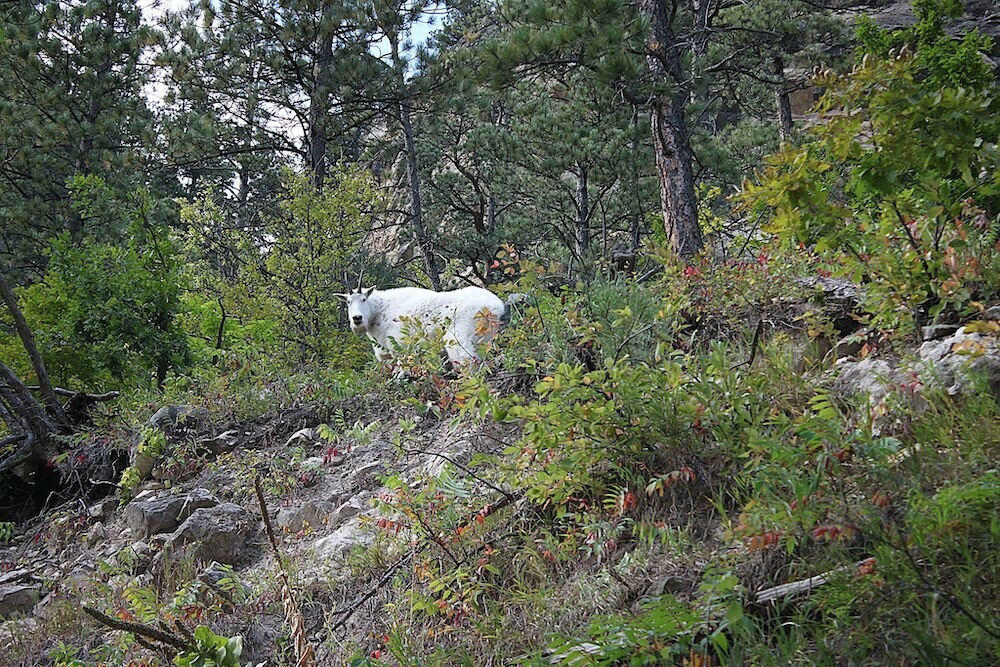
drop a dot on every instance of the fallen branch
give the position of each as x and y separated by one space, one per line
25 452
484 482
141 630
305 653
348 611
754 344
90 398
795 587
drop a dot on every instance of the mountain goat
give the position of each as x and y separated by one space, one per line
470 316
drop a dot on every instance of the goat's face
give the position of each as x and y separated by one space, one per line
359 310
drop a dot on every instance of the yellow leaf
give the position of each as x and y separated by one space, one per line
969 346
983 327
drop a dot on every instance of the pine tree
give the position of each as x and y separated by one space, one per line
72 104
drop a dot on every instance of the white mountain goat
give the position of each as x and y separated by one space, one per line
470 316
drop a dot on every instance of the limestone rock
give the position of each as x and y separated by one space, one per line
219 533
222 443
98 533
872 377
102 509
174 421
214 577
953 361
135 558
170 416
161 514
294 519
937 331
337 544
20 574
18 599
353 507
305 436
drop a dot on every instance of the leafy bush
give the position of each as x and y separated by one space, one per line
212 650
106 312
943 61
277 288
897 188
625 320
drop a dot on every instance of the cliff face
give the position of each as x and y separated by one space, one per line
981 15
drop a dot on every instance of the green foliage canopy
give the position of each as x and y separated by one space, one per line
897 188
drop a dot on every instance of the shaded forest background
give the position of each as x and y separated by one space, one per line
244 160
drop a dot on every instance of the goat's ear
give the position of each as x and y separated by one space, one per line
368 292
343 297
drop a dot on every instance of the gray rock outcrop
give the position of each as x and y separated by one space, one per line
150 515
955 361
221 533
18 599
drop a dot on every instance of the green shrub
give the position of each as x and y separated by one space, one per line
897 189
278 289
212 650
106 312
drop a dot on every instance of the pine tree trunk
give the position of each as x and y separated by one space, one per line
670 133
319 103
635 222
416 213
785 123
582 239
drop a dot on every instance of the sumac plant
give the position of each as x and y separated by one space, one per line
896 189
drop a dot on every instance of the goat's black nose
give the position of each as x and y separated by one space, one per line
357 319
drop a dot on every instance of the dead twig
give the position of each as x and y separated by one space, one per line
754 346
348 610
304 651
484 482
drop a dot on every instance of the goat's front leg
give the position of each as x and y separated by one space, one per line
381 353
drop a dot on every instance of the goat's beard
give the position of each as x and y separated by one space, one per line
360 329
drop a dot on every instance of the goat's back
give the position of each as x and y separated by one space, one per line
423 303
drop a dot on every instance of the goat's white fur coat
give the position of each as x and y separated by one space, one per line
470 316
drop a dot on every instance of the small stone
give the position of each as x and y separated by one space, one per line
98 533
222 443
338 543
849 346
937 331
213 575
294 519
370 469
103 508
172 415
14 575
348 510
302 436
134 558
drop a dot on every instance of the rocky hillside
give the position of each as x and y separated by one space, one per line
429 519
